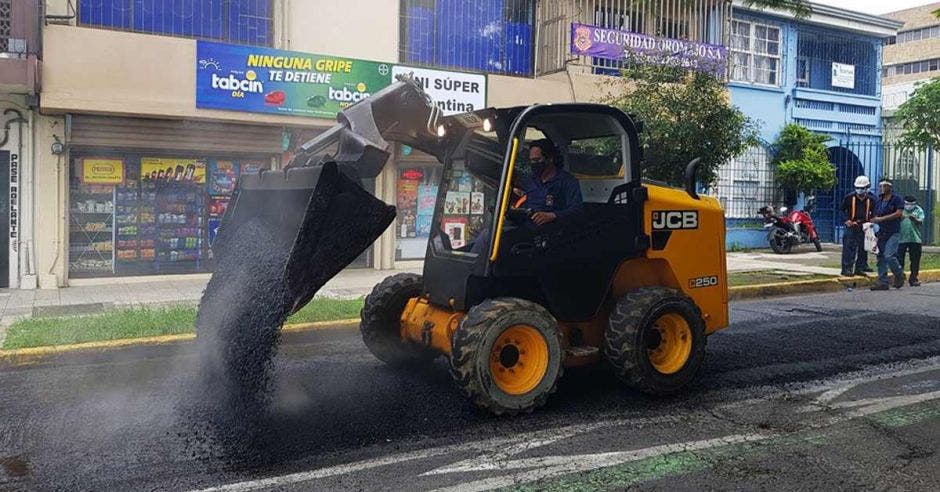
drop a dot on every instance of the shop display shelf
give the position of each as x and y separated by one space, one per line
102 231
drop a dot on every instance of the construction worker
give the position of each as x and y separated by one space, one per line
911 220
888 212
857 208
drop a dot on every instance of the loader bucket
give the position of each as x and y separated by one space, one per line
319 220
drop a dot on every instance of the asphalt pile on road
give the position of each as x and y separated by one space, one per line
264 269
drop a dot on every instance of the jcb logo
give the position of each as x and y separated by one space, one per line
675 219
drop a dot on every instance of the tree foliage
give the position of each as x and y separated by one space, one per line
802 163
920 115
686 114
799 8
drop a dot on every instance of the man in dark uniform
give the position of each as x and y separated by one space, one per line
549 191
857 208
889 209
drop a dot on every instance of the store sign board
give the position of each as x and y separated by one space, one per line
615 44
102 171
453 92
170 169
843 75
265 80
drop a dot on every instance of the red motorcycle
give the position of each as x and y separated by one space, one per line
787 230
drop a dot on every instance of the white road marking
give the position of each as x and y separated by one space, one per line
495 453
517 444
554 466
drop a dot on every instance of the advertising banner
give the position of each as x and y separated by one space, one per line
266 80
169 169
102 171
615 44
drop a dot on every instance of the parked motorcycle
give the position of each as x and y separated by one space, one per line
786 230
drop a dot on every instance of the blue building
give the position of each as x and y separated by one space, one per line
822 72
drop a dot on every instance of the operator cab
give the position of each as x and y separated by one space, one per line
566 265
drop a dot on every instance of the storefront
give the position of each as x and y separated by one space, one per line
146 197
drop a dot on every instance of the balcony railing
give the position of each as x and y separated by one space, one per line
703 21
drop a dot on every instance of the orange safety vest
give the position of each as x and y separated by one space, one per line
867 207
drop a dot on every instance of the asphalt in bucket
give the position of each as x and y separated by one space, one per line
264 271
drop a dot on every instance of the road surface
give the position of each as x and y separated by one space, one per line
836 391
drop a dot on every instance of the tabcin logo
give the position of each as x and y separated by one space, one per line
239 87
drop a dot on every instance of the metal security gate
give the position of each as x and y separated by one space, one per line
911 169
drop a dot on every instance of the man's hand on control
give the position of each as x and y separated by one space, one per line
542 218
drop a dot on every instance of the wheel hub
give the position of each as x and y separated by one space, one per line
669 343
518 359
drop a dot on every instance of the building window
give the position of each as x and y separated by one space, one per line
237 21
755 50
928 32
915 67
824 51
746 184
495 36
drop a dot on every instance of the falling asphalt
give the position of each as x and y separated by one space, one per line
838 390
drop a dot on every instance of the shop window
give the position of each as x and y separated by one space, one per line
416 196
139 215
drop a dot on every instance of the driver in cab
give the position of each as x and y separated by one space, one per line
549 191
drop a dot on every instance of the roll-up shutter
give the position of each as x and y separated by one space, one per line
152 134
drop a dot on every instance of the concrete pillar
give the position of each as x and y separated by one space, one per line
50 186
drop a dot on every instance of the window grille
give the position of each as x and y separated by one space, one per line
236 21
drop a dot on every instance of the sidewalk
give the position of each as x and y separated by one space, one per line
90 296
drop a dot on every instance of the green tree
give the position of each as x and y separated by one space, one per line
686 115
919 116
802 163
799 8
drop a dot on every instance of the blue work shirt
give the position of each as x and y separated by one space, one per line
885 207
561 194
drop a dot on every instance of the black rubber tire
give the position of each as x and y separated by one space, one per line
472 342
780 249
631 321
818 245
381 321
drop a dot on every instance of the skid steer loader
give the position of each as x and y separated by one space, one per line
636 279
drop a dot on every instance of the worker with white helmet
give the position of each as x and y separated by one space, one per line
857 208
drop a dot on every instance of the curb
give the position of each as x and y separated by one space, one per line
739 293
157 340
834 284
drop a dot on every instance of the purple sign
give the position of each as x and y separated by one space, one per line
614 44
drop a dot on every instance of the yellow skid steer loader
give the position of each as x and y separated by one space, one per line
635 279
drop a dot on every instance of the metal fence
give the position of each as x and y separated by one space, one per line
746 184
693 20
494 36
910 169
237 21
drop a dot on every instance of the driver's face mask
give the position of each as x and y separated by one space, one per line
537 165
861 191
